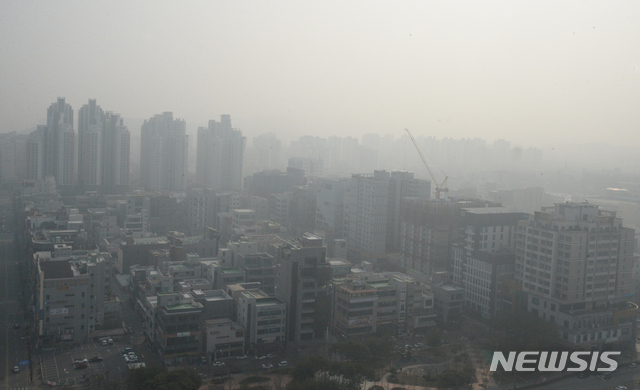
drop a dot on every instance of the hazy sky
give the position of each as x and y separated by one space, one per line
530 72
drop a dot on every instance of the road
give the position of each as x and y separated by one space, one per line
12 343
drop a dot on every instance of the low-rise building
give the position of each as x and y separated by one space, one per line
264 320
178 336
449 300
217 303
224 338
63 303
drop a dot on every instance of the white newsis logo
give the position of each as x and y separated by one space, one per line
549 361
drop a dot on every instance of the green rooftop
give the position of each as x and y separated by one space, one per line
181 306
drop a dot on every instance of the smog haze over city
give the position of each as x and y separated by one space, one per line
536 73
301 195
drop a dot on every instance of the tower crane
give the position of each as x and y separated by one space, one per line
442 187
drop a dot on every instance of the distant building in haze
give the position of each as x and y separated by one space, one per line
163 153
59 144
220 156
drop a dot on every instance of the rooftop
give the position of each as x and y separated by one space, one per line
230 270
191 240
268 301
184 306
60 269
486 210
149 240
448 287
378 283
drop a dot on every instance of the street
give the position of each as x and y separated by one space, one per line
13 350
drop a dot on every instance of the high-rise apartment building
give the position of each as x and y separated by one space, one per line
310 166
220 156
163 153
330 210
103 148
90 125
575 262
13 159
265 154
366 201
401 185
116 150
36 154
59 144
372 210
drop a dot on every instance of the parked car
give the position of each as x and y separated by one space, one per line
203 359
16 369
267 366
270 356
218 364
632 365
77 361
130 359
16 326
95 359
261 357
283 363
79 366
110 341
241 357
105 343
126 350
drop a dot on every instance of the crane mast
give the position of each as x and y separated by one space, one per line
442 186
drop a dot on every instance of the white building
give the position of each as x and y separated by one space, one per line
575 263
263 319
223 338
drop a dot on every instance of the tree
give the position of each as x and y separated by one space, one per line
307 367
368 352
